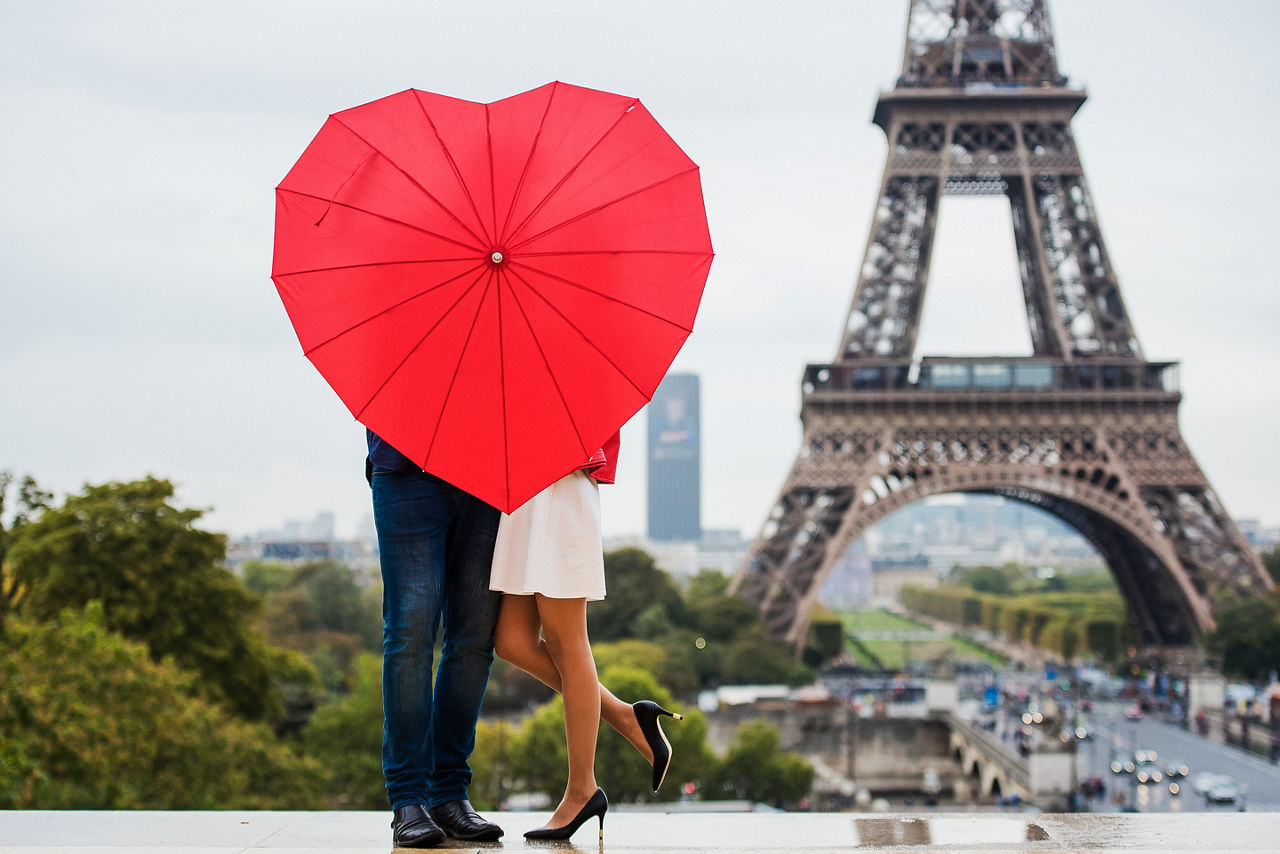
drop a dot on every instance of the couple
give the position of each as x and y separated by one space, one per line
526 594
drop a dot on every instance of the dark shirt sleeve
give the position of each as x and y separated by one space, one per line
383 456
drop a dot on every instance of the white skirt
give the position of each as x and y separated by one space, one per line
551 544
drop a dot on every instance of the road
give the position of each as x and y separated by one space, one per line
1114 732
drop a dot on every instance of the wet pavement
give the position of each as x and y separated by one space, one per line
366 832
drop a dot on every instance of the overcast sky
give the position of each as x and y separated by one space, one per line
142 140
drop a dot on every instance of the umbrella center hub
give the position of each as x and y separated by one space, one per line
496 257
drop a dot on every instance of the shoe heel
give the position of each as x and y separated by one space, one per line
663 711
602 830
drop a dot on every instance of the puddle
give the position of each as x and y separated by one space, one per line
970 831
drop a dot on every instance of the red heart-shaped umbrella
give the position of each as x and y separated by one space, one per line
494 289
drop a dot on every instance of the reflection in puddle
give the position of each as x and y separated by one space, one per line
893 831
967 830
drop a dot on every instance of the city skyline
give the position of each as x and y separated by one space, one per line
145 337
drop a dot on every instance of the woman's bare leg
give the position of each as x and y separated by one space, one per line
518 640
564 624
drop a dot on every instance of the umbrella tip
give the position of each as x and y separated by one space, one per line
496 257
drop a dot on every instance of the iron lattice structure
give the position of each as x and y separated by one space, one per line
1085 428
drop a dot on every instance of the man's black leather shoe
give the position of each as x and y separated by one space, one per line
412 827
460 821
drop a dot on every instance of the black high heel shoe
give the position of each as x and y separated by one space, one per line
647 713
597 806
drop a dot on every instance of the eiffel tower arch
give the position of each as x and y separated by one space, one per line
1085 428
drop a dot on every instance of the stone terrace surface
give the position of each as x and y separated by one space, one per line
295 832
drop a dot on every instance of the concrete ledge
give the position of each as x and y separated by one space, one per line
367 832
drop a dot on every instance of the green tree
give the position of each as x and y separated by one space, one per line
491 765
722 617
653 622
88 720
635 583
30 500
160 582
641 654
755 769
826 636
1247 636
322 612
690 662
1271 562
265 577
539 758
630 777
536 757
987 579
753 658
345 737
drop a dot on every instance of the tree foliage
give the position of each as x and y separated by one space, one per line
88 720
755 769
1271 562
30 499
345 738
1064 623
537 759
630 777
318 609
159 581
635 586
1247 636
263 577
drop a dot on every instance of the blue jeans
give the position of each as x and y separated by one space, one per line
436 543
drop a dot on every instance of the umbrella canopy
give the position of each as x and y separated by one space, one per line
493 288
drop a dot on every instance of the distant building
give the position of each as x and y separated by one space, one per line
675 461
888 577
303 541
720 550
849 584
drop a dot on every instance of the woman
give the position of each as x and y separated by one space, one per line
548 563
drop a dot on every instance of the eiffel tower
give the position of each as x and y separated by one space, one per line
1085 428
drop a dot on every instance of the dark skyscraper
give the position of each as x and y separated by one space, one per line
675 460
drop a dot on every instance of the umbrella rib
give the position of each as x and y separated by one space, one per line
502 384
343 185
601 294
601 207
415 347
435 430
537 137
413 180
547 364
585 337
457 173
418 228
391 308
341 267
493 186
561 254
564 179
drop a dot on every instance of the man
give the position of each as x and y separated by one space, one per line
436 545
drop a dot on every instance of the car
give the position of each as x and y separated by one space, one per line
1202 782
1223 793
1175 768
1133 712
